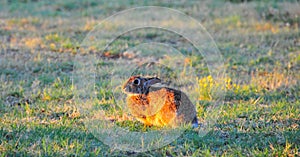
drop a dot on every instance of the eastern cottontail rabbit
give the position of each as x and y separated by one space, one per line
158 106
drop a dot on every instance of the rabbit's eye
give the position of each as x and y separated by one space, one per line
136 82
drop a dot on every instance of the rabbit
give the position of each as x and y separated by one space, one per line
158 106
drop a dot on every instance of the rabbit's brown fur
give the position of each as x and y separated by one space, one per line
158 106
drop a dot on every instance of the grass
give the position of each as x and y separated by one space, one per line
259 41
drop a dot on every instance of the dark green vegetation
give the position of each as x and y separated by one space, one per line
260 43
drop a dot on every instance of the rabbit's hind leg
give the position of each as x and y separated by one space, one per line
195 123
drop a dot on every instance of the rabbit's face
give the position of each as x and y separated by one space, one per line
139 85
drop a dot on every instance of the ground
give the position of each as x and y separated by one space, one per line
259 42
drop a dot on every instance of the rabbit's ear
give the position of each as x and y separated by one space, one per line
151 81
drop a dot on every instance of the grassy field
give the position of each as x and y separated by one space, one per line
259 42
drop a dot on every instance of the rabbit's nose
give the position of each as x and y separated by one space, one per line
128 89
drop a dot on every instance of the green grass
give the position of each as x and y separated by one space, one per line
260 47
